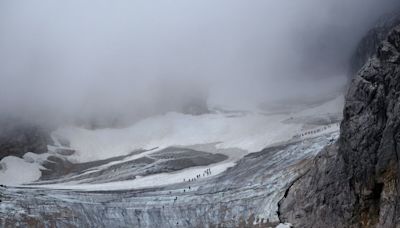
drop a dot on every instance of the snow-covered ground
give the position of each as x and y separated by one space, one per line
16 170
155 180
251 132
262 154
246 133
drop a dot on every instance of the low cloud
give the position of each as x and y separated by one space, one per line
70 57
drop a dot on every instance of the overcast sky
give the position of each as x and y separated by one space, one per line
71 55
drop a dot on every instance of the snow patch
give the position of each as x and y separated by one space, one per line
284 225
16 170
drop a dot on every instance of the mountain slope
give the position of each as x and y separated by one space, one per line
355 184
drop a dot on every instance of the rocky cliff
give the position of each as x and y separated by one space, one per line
369 44
356 182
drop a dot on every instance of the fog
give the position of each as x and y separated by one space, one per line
137 58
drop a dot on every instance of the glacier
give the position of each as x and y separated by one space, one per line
175 170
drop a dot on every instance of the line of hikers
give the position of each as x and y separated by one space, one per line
315 131
207 172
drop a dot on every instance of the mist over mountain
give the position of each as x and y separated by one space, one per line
86 58
178 113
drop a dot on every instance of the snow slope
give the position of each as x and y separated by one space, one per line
251 133
246 133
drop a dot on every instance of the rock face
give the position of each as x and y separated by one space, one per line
19 137
356 182
369 44
371 135
320 198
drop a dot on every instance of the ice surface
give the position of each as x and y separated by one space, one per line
148 181
251 188
232 136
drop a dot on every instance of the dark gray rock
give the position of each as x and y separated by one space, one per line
18 137
369 44
357 183
320 198
370 135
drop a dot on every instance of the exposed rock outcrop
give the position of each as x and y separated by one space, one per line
356 184
322 197
370 43
18 137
